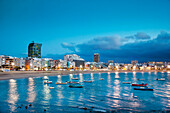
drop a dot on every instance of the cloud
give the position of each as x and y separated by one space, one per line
70 47
142 35
139 36
122 49
103 43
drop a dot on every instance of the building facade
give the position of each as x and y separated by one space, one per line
96 57
34 50
74 60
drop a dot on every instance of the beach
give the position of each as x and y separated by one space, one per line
27 74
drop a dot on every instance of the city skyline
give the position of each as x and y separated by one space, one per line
118 30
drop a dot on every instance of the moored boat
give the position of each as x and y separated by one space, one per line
61 83
75 78
88 81
126 82
76 86
48 82
161 79
101 78
51 87
45 78
144 85
144 89
71 82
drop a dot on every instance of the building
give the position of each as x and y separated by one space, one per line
60 64
134 62
22 62
74 60
96 57
7 62
33 64
34 50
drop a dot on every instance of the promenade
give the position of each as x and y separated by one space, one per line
26 74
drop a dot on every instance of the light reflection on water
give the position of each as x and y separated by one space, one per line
13 94
31 91
107 94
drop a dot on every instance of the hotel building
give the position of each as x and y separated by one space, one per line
34 50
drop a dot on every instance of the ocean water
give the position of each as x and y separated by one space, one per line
108 95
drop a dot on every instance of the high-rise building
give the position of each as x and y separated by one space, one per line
34 50
96 57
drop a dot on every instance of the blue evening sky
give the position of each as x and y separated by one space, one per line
69 26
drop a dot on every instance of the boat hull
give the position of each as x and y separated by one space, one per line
75 86
144 85
60 83
143 89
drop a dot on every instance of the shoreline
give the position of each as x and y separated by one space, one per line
27 74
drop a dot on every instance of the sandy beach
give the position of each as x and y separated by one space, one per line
26 74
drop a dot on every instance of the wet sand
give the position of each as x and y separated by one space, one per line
26 74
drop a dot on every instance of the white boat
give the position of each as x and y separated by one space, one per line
45 78
75 78
162 79
51 87
48 82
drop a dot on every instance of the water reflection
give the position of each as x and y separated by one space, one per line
149 73
116 93
134 75
91 76
13 94
70 76
46 92
60 97
117 75
108 79
59 79
31 91
81 77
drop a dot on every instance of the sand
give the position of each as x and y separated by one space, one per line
26 74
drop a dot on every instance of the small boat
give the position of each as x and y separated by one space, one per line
48 82
144 85
141 79
144 89
76 86
126 82
161 79
51 87
88 81
61 83
101 78
75 78
45 78
73 82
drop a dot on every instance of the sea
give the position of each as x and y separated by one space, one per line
108 95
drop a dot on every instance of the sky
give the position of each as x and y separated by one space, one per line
120 30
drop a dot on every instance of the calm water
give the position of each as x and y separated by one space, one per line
108 94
